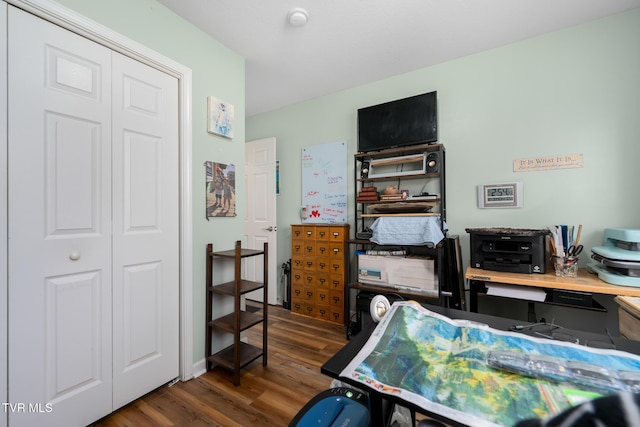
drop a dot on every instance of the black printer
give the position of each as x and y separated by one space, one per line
514 250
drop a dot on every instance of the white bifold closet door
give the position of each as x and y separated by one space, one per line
93 226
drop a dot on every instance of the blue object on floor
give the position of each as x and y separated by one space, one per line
334 407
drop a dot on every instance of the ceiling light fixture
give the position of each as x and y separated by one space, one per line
298 17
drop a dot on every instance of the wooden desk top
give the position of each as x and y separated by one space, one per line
585 282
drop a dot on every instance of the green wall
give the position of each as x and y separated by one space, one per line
575 91
216 71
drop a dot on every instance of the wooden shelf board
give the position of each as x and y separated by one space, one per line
229 288
396 245
224 358
227 322
433 202
391 290
232 253
392 177
401 214
400 150
585 282
411 158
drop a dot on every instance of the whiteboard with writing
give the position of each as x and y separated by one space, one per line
324 183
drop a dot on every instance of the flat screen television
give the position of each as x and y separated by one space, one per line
399 123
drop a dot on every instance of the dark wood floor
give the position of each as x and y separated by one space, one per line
269 396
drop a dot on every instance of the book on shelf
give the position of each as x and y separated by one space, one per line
367 194
390 197
424 197
400 252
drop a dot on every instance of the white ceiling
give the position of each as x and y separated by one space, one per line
347 43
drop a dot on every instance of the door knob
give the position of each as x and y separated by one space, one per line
74 256
271 228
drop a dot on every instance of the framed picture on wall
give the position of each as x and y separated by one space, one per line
221 189
220 116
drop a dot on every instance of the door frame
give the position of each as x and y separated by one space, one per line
4 229
73 21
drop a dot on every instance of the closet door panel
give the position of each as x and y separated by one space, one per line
145 229
72 342
141 341
72 175
59 197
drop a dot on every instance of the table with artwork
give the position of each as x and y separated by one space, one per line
480 370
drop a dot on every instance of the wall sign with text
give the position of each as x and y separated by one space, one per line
563 161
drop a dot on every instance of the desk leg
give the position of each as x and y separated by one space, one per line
347 310
531 312
380 410
475 287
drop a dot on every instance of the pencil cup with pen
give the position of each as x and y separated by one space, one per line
565 249
565 266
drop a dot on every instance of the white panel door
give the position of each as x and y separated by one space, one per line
261 221
93 219
145 229
59 150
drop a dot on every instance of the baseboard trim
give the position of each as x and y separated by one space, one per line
199 368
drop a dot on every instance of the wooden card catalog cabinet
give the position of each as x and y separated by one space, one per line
319 270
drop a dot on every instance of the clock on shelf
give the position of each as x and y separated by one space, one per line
507 195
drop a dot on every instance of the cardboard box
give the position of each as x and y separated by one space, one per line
415 274
629 317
